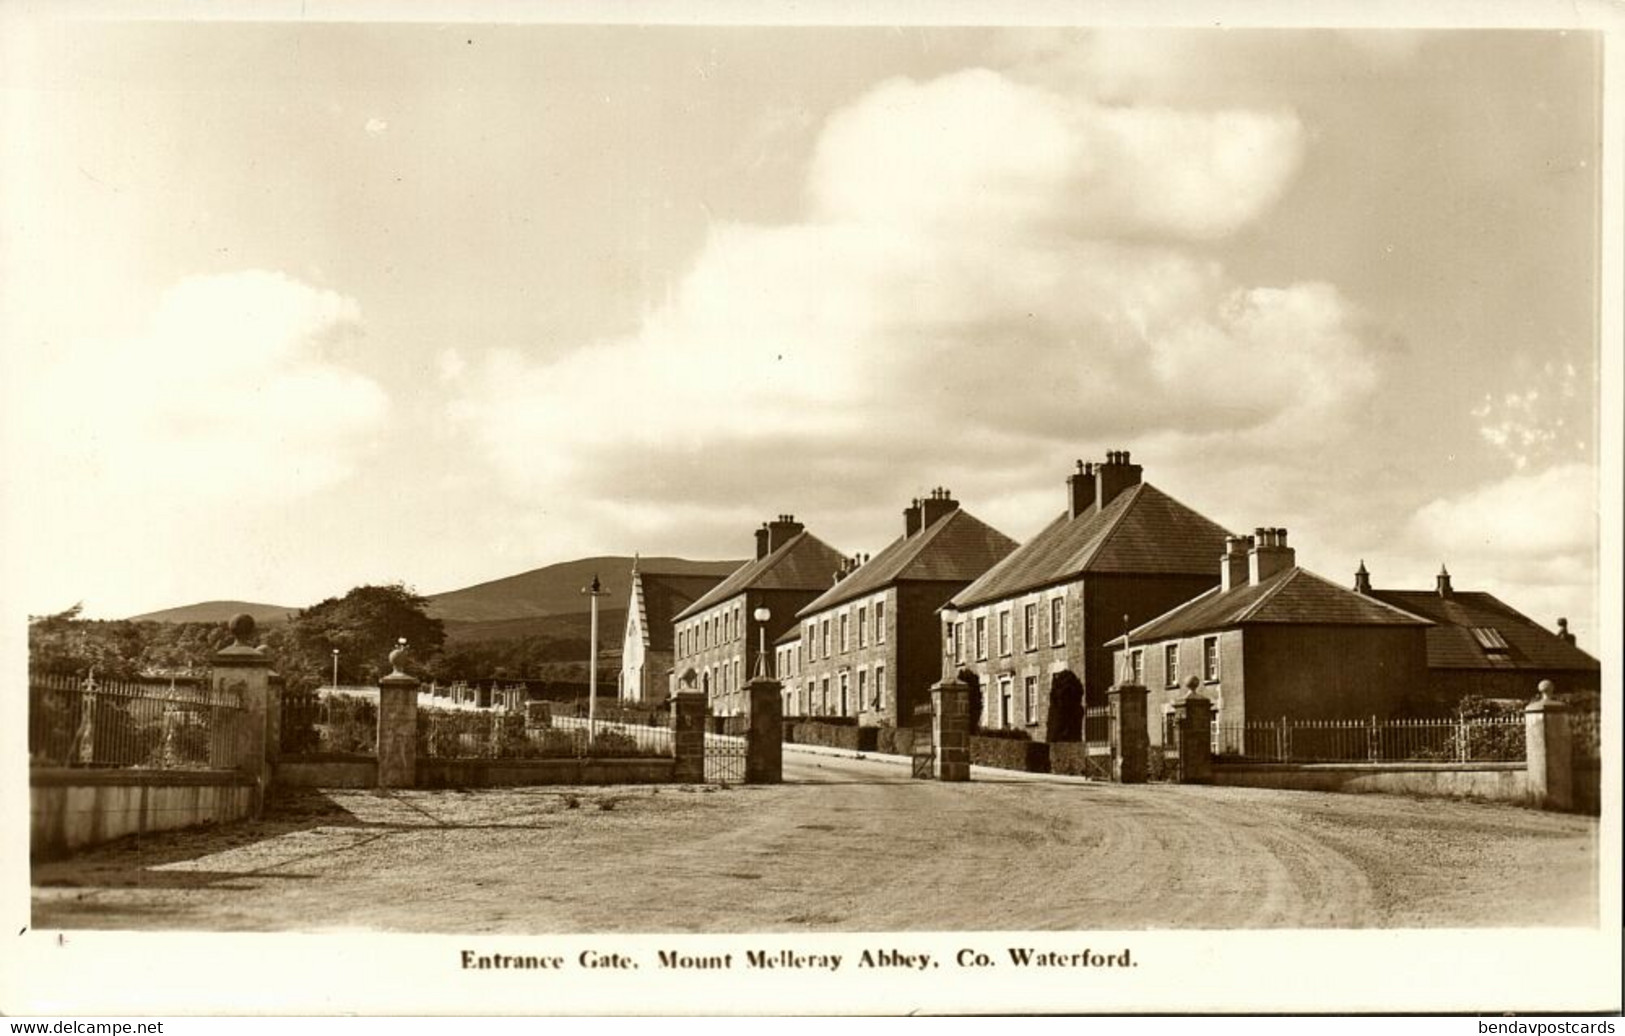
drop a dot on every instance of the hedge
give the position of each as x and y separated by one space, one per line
1007 753
831 735
899 740
1070 757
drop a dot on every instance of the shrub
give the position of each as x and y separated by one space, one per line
612 744
1157 766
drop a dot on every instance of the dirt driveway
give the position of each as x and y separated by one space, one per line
844 845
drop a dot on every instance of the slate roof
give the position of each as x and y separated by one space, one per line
789 636
1452 645
1142 531
1294 595
955 548
660 596
805 562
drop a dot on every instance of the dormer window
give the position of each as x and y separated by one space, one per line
1489 638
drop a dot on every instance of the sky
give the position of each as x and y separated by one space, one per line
294 307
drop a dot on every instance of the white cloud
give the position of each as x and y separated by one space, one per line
979 151
228 393
1539 516
451 364
229 402
989 274
376 127
1539 421
1531 539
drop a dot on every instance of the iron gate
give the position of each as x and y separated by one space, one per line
924 749
725 749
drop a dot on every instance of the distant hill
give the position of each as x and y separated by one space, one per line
611 621
556 589
544 602
219 611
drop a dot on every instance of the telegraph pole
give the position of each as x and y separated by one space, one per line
595 591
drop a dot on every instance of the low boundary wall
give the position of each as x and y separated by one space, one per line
326 770
509 773
1497 782
76 808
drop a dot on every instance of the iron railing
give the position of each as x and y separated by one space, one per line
1485 739
1097 724
508 735
74 721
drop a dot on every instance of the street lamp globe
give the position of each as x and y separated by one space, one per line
761 615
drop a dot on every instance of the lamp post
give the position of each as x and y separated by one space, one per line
761 615
595 591
335 669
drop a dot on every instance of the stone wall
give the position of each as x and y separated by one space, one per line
328 770
73 809
1499 782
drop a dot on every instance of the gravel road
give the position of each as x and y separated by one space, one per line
843 845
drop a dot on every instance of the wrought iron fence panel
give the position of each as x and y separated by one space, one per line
176 726
1483 739
1097 724
923 756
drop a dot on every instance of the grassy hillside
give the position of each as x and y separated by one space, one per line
219 611
556 589
611 623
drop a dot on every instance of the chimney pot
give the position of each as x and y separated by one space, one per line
1269 555
1444 587
1081 487
1114 476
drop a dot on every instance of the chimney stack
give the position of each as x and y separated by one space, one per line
911 518
781 531
1114 476
1444 583
761 542
1269 555
1563 633
1233 565
1080 490
1362 579
938 504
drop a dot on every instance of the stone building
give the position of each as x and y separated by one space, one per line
718 636
1479 646
787 669
869 645
647 646
1274 640
1122 552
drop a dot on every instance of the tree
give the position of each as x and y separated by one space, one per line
364 626
1065 719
